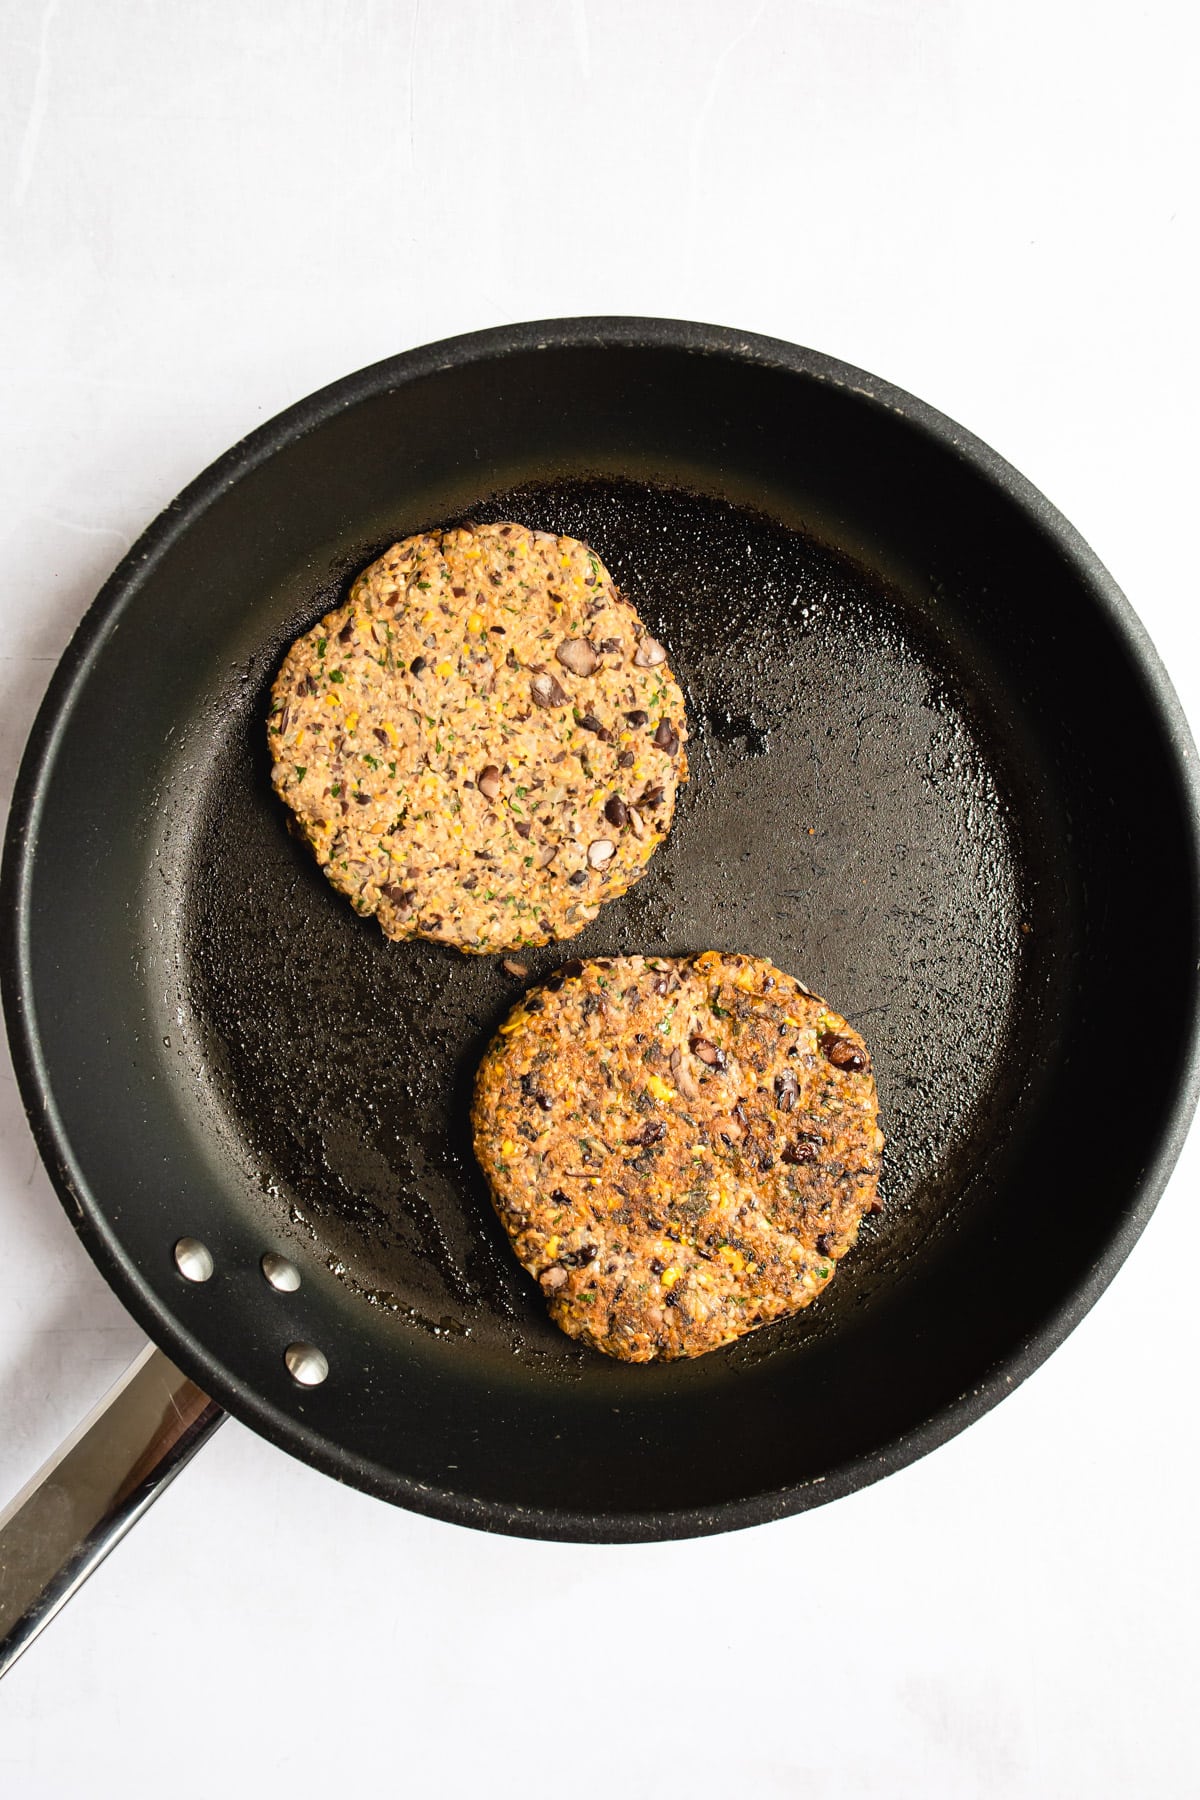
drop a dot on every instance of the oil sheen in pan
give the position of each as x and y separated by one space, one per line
846 817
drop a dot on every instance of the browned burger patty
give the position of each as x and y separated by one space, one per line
680 1149
484 743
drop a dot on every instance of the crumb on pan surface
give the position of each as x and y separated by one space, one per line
680 1149
484 743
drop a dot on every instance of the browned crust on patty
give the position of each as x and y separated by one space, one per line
680 1149
484 743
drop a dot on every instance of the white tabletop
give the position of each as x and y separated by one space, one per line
209 211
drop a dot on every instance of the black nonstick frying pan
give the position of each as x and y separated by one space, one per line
938 773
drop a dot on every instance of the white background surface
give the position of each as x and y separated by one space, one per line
208 212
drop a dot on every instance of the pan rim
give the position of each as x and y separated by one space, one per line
20 849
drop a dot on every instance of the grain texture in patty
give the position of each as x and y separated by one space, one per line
680 1149
484 743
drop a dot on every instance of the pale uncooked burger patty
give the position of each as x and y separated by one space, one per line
681 1149
484 743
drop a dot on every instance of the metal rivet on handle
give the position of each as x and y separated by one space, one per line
306 1364
281 1273
193 1259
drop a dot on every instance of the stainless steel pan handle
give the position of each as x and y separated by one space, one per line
65 1521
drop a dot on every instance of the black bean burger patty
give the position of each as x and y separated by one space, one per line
484 743
681 1149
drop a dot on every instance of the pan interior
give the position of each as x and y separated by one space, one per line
851 814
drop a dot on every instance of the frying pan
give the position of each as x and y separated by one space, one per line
938 773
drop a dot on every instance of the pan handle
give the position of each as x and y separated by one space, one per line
79 1504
